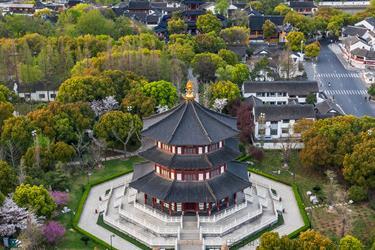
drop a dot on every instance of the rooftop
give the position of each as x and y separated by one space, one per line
283 112
256 22
189 123
291 87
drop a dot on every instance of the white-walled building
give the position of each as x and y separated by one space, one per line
281 92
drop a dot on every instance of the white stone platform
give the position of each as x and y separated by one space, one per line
154 228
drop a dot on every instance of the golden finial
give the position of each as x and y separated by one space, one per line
189 91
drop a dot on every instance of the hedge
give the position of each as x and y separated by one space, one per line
301 205
82 202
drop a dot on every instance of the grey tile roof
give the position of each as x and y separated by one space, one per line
354 31
368 54
204 161
282 112
371 20
291 87
256 22
139 5
254 101
327 106
231 181
190 124
304 4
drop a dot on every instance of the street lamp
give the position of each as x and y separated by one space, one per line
110 237
88 177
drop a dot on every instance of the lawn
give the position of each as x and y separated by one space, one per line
72 239
360 220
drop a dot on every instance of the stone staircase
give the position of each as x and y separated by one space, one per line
189 235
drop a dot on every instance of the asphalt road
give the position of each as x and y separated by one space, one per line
347 88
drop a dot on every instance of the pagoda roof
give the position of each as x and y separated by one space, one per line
189 123
194 161
234 179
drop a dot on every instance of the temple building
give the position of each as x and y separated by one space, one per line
193 167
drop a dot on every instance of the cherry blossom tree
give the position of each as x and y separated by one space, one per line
13 218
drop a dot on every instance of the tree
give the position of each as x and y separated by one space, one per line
31 237
208 42
176 26
294 40
224 89
245 122
35 198
183 52
228 56
85 88
358 193
221 7
6 111
117 127
240 18
60 198
371 90
282 9
164 93
236 35
6 95
311 98
311 239
137 102
208 22
269 30
205 64
53 232
8 178
312 50
350 243
16 137
13 218
237 73
359 165
93 22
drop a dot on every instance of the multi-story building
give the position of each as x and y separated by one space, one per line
281 92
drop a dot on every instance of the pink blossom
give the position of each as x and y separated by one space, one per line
53 231
60 198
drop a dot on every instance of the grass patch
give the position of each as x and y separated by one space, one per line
79 189
101 223
249 239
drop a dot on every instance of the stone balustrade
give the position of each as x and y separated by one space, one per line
153 212
223 214
167 230
224 229
144 238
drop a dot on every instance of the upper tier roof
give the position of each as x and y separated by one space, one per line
189 123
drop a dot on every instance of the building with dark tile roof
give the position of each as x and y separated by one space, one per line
193 165
303 7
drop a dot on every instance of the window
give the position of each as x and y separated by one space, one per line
190 176
200 150
272 94
200 176
158 169
53 96
190 150
215 172
272 103
172 175
159 144
285 130
286 121
179 176
178 150
220 144
274 122
42 96
261 131
273 131
261 94
207 175
222 169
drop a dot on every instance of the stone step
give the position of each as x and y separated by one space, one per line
189 242
189 236
190 247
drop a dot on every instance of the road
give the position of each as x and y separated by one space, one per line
347 88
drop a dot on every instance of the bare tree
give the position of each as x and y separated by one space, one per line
81 147
133 130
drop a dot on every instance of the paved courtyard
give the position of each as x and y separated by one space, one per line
167 231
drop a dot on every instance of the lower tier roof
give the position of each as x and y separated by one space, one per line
234 179
203 161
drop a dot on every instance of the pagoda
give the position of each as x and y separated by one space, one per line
192 161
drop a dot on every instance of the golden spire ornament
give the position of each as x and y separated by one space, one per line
189 91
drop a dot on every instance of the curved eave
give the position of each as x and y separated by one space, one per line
210 190
190 124
192 162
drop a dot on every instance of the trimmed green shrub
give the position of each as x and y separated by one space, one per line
357 193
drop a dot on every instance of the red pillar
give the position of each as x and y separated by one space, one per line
175 206
204 206
145 198
227 201
209 208
196 207
162 205
218 205
153 201
235 198
170 208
